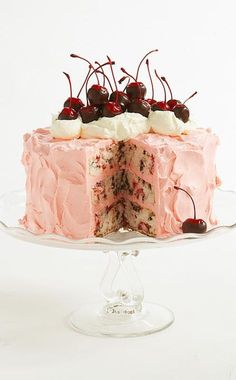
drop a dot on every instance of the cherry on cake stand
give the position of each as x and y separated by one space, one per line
122 312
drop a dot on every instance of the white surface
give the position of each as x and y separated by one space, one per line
39 285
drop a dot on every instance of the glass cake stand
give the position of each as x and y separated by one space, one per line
121 311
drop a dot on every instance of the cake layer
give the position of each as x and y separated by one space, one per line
109 219
139 218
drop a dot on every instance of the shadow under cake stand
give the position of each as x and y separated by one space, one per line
121 312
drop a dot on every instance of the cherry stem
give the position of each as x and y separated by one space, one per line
161 83
114 79
190 97
122 79
104 78
84 59
68 77
125 72
140 63
94 71
150 77
164 80
194 207
90 67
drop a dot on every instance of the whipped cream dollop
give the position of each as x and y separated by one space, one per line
166 123
65 129
120 127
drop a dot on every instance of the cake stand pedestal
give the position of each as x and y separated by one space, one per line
122 312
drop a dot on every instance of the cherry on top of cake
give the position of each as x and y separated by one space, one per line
132 99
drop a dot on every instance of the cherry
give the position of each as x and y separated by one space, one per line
192 225
152 100
111 109
139 106
97 94
117 99
172 102
161 105
123 99
89 113
76 103
181 112
68 113
135 89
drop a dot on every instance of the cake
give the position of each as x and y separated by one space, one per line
119 163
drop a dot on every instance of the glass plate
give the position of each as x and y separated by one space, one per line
12 206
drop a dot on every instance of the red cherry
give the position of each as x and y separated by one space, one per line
172 103
68 114
151 101
97 94
139 106
181 112
192 225
111 109
134 89
123 99
160 106
76 103
89 113
197 226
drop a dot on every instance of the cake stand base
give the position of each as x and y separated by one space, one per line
88 320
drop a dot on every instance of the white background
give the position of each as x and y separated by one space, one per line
39 285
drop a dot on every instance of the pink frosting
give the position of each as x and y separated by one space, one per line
58 183
187 161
